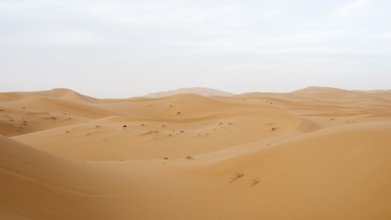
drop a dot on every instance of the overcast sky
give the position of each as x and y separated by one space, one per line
127 48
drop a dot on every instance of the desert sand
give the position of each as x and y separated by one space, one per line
315 153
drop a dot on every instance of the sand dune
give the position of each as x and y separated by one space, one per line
22 113
173 127
196 90
315 153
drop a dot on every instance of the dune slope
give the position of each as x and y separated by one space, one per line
37 185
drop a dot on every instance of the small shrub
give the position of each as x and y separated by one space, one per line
273 129
255 181
166 158
189 158
237 176
124 126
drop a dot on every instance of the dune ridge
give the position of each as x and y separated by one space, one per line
315 153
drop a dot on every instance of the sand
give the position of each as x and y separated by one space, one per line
315 153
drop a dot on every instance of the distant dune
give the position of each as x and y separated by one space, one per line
315 153
197 90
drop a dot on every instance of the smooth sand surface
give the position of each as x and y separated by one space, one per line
315 153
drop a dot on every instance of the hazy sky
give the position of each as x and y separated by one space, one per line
126 48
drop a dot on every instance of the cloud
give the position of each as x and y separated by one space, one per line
74 37
379 36
355 6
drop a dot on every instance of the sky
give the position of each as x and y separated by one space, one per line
121 48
